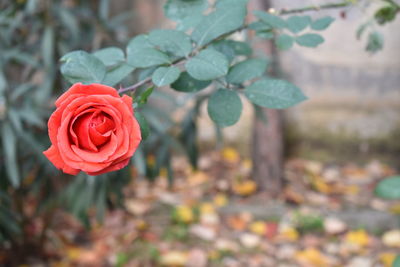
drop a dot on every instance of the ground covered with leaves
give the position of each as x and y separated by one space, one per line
327 215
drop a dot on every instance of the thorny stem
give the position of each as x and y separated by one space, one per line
281 12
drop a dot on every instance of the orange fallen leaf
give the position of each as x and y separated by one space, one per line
244 188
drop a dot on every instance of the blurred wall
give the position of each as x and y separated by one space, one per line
354 97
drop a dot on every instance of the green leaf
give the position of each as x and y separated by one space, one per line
110 56
375 42
173 41
232 48
144 126
188 84
223 4
297 24
137 43
284 41
246 70
178 10
396 262
274 93
145 95
165 75
267 35
117 74
271 20
260 26
389 188
218 23
10 153
224 107
79 66
189 22
147 57
386 14
322 23
207 65
361 29
309 40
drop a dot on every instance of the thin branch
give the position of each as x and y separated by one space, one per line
135 86
314 8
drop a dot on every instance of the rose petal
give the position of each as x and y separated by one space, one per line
54 156
115 167
91 89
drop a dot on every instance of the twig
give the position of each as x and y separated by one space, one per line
135 86
314 8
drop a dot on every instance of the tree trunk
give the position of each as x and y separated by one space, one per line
267 146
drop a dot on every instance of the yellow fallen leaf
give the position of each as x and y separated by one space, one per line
184 214
312 257
206 208
320 185
220 200
387 258
74 253
395 208
174 258
352 190
247 164
359 238
289 234
258 227
230 155
244 188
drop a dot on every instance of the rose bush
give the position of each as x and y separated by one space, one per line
93 130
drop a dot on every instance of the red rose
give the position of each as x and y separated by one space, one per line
92 130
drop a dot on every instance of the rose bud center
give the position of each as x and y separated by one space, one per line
91 129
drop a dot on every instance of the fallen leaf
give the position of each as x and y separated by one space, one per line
207 208
391 239
387 258
311 256
244 188
174 258
184 214
249 240
230 155
334 226
292 196
359 238
203 232
289 234
226 245
258 227
220 200
237 223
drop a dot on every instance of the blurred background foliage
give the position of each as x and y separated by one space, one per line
33 36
